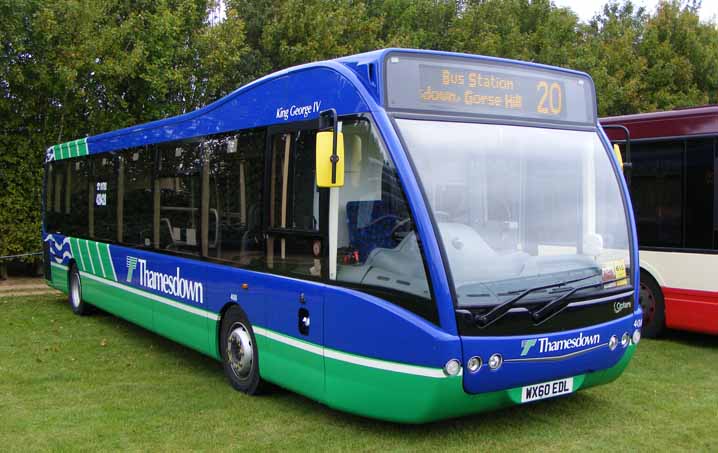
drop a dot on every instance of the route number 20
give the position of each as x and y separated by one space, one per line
551 98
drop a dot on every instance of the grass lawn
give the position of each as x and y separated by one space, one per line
87 383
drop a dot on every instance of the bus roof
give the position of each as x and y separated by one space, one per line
701 120
262 102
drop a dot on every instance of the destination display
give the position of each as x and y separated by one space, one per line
488 89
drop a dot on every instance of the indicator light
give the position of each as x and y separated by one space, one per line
452 367
636 336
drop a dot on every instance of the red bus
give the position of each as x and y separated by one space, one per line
673 158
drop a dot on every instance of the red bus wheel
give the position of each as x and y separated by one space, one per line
652 303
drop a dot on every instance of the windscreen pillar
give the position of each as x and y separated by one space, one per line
333 224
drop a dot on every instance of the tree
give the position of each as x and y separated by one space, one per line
72 68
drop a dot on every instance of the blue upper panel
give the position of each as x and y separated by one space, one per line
350 84
292 95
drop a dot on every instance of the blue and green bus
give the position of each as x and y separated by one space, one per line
402 234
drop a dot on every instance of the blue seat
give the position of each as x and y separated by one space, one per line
370 225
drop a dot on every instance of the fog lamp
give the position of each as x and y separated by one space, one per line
612 342
474 364
452 367
495 361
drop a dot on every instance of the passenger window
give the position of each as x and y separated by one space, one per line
700 180
103 193
236 184
294 244
77 209
55 218
134 181
378 251
657 192
178 185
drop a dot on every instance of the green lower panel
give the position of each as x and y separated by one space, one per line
124 304
400 397
292 368
610 374
59 278
186 328
390 395
183 327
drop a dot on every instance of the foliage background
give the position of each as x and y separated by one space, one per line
73 68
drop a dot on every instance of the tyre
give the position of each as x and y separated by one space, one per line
239 352
74 293
653 305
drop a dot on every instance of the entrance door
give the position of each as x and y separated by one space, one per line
296 245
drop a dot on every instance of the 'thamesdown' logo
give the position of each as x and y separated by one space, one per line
545 345
174 285
131 266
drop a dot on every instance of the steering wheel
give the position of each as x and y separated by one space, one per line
394 233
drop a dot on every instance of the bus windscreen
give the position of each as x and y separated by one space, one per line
458 86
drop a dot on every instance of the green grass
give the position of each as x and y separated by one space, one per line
88 383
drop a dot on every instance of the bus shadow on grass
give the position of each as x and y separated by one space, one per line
689 338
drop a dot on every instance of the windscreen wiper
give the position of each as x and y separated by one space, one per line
554 306
500 310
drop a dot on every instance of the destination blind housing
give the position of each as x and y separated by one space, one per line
441 85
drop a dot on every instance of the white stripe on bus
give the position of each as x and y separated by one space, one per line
350 358
155 297
99 258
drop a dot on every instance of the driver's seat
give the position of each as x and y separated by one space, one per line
370 224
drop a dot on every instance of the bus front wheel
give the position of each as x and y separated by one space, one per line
239 352
653 305
74 294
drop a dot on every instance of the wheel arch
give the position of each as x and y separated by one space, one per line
653 272
71 262
218 326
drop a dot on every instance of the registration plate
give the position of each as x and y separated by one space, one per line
546 390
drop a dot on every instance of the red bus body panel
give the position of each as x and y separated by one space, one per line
686 308
676 123
689 309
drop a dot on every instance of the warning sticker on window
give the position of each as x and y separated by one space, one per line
614 270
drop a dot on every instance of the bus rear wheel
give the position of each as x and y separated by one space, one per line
74 294
240 356
653 305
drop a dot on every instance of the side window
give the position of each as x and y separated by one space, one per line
79 200
179 186
378 251
236 166
103 192
55 197
294 242
657 192
700 183
135 197
296 196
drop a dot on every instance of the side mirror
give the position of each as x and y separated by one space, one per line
330 152
617 152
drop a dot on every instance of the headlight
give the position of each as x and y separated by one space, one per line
474 364
625 340
495 361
